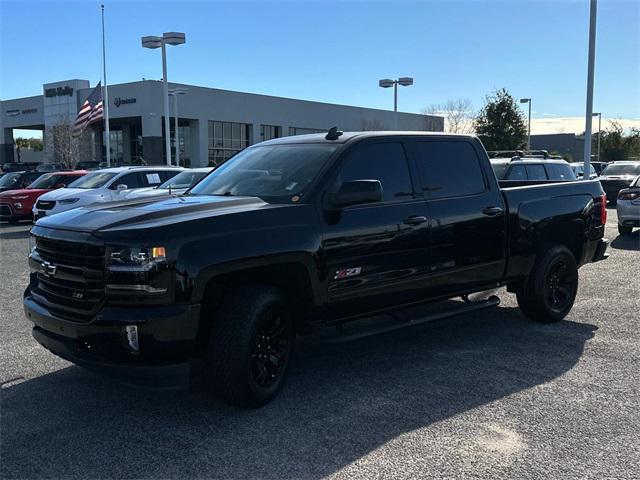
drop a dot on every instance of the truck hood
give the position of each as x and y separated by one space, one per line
149 212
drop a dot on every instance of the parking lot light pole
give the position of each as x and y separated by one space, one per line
528 100
590 72
599 114
168 38
175 93
387 83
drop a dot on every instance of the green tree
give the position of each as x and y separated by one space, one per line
500 124
617 144
30 143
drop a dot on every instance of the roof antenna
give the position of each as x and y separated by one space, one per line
333 134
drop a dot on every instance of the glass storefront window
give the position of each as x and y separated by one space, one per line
304 131
226 139
268 132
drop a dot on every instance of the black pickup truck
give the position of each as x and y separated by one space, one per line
294 234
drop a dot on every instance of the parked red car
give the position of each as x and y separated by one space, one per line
17 204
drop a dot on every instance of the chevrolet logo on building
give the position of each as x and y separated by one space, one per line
48 270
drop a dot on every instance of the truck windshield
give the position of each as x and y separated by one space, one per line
277 172
622 169
92 180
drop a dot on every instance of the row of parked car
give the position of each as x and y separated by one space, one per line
620 180
32 194
35 193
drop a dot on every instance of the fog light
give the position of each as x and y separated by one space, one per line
132 337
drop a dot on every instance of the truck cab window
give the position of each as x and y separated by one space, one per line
385 162
449 169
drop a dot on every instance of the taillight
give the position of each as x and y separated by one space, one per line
603 209
628 195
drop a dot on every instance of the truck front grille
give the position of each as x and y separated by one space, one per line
71 283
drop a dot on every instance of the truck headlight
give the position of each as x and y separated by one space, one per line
134 259
32 244
67 201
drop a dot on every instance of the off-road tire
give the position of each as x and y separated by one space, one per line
230 358
624 230
550 290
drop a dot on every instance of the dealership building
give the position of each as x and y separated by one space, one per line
213 124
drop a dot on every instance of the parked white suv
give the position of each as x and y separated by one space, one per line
107 185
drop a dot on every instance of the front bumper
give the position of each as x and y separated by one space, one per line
166 337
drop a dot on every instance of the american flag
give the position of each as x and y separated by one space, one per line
90 111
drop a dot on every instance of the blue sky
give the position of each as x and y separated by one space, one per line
337 51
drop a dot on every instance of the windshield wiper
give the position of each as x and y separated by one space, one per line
225 194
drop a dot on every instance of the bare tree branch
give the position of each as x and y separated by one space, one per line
458 115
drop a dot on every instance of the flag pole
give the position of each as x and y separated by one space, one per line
105 97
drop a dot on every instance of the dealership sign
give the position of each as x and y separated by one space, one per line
123 101
58 92
15 112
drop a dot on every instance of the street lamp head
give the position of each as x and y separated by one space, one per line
525 100
386 83
151 42
174 38
405 81
595 114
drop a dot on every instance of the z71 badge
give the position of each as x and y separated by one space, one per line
347 272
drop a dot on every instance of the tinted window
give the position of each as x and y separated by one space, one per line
517 172
29 178
449 169
558 171
131 180
536 172
385 162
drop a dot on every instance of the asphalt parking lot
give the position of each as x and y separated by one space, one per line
485 395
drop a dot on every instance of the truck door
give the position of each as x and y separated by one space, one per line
369 251
467 241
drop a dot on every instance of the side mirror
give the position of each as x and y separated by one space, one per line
121 186
356 192
59 185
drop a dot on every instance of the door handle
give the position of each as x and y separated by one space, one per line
492 211
414 220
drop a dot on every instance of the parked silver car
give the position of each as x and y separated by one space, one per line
628 207
174 186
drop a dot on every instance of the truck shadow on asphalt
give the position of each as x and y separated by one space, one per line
341 402
627 242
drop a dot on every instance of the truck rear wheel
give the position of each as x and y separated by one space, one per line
250 346
549 292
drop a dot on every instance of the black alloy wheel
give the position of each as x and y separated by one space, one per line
270 348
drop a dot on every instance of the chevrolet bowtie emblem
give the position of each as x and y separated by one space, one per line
48 269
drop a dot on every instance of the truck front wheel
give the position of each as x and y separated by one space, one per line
250 346
549 292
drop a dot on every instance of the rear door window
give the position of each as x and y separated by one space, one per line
536 172
557 171
517 172
385 162
449 168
